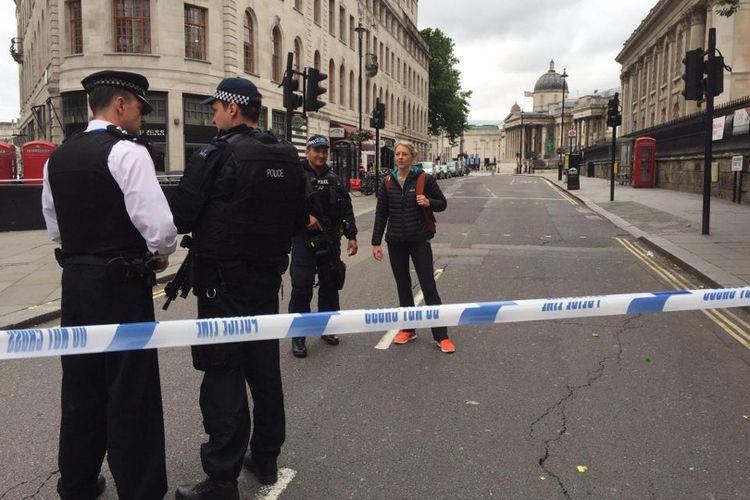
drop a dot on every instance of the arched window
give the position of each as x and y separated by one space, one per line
316 60
332 82
342 83
351 90
276 54
249 42
297 54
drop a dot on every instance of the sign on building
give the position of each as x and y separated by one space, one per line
741 121
718 129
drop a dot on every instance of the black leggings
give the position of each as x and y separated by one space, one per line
421 256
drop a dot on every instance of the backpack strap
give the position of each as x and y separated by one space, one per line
428 214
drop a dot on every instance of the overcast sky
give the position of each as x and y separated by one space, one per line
503 45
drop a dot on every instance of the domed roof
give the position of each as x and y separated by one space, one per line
551 80
515 108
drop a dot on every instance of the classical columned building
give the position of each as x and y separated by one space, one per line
186 48
590 119
483 141
651 60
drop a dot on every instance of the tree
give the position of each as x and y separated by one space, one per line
448 104
727 7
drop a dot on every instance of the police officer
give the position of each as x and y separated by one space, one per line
243 197
318 249
101 201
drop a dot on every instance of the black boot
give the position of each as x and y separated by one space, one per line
265 472
299 349
209 489
330 339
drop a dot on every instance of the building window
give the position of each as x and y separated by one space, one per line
316 12
331 82
75 26
316 60
249 42
352 33
263 118
276 55
74 111
297 54
195 113
342 87
195 32
342 24
332 17
298 5
132 23
278 123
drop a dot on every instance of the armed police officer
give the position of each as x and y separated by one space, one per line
243 197
318 249
101 201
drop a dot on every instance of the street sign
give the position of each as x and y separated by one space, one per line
571 133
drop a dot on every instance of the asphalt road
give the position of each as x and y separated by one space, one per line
652 406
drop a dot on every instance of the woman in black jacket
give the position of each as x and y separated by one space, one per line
411 226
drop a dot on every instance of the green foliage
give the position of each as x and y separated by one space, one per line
449 105
727 7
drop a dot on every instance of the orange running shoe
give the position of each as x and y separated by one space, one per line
403 337
446 345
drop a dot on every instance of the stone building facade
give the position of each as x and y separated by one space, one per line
541 133
482 141
652 67
186 48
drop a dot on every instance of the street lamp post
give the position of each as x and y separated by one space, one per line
562 123
360 31
521 146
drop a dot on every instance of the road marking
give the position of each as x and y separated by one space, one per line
721 317
454 197
272 492
387 339
490 191
561 192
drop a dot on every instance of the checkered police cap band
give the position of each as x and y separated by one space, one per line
225 96
116 82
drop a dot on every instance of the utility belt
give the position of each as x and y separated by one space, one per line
213 275
120 269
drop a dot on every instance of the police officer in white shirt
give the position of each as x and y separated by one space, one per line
101 201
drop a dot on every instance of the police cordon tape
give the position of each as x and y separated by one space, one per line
35 343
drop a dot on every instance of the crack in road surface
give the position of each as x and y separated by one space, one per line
559 406
22 483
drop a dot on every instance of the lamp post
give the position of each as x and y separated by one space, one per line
562 123
520 146
360 31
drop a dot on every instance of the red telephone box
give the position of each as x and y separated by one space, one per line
35 154
7 162
644 162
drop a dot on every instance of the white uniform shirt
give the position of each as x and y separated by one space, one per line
133 170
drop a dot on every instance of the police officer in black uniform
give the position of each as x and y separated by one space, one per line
318 249
101 201
243 197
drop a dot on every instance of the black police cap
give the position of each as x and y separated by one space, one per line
234 89
132 82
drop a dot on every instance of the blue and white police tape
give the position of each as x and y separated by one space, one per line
34 343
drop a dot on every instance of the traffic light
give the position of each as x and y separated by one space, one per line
292 101
614 118
313 89
378 116
693 77
718 74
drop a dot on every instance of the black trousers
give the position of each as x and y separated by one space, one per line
305 265
421 255
240 288
111 402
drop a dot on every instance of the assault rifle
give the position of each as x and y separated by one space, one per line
181 282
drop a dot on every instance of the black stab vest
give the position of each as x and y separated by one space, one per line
256 219
90 206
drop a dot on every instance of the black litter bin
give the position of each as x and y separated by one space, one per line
590 166
574 181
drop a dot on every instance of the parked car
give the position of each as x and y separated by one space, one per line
441 171
453 169
427 166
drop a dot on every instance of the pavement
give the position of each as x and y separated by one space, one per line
30 277
669 221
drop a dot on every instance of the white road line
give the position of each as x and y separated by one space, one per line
387 339
272 492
